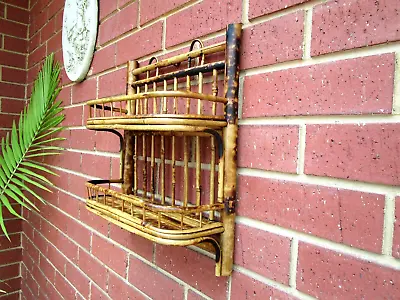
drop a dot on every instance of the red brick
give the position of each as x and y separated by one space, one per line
118 289
17 14
12 106
97 293
359 86
12 59
325 274
110 254
192 267
47 268
156 284
56 258
396 234
2 8
34 42
39 20
104 141
11 255
262 252
132 241
274 41
150 41
73 116
20 3
54 7
6 119
194 296
13 29
91 163
14 226
54 44
9 271
11 285
7 244
16 45
83 139
244 287
339 26
263 7
201 19
78 279
356 152
106 7
268 147
36 56
156 8
13 75
93 220
48 30
64 288
65 96
92 268
112 84
344 216
84 91
123 21
103 59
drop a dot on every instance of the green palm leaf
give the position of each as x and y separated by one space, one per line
34 137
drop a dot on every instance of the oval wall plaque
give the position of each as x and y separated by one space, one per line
79 33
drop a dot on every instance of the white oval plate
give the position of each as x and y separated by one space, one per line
79 33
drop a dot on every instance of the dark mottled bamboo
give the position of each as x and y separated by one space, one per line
233 36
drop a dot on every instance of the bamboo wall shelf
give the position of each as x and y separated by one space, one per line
178 149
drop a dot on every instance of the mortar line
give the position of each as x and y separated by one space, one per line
284 12
301 149
378 259
229 291
245 11
307 33
388 225
294 252
359 120
164 34
326 58
276 285
396 90
240 97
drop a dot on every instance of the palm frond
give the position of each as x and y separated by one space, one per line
33 138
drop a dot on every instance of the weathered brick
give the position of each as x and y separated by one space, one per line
93 269
110 254
344 216
97 293
268 147
274 41
150 41
122 22
84 91
396 234
244 287
154 9
364 152
263 7
359 86
201 19
156 284
192 267
325 274
262 252
342 25
63 287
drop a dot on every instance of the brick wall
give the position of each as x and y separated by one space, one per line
319 139
14 20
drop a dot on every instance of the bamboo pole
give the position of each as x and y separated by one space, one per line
128 138
233 36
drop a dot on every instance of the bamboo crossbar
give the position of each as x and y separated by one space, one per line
181 57
178 160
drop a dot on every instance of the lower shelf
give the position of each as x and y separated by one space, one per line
159 222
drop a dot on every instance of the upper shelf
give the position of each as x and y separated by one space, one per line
168 95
